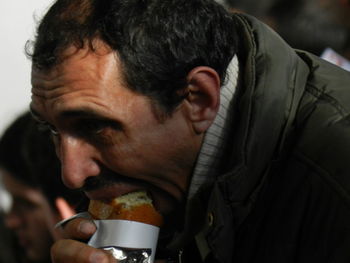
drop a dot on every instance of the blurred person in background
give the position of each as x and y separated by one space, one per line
318 26
314 25
259 9
7 241
30 172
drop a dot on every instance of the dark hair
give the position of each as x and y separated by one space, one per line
29 156
157 41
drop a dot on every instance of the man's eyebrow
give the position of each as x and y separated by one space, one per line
82 113
87 113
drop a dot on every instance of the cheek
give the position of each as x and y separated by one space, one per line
133 152
36 219
124 156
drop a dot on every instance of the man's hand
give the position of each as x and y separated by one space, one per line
71 250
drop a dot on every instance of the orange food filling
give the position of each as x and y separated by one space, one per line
144 213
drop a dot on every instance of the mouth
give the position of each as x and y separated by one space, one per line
109 192
162 201
109 185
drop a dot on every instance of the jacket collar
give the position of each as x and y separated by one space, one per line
271 84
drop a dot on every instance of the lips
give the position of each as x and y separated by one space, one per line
111 191
109 185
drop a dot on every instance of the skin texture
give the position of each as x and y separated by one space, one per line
28 219
111 141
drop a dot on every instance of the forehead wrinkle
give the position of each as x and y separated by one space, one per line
45 93
58 101
62 107
96 64
51 86
45 83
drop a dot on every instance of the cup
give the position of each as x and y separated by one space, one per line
128 241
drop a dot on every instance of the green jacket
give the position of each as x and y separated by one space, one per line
284 191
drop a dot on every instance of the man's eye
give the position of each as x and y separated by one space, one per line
92 127
98 131
22 205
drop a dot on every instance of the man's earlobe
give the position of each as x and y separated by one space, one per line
203 97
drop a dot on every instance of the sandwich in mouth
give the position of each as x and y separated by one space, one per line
134 206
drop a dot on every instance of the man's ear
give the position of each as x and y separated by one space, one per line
63 208
203 97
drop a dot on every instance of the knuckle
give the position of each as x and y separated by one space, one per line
79 229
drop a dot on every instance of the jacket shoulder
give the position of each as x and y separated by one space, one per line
323 123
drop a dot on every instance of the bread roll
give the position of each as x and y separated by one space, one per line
135 206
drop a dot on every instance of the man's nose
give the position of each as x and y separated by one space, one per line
78 161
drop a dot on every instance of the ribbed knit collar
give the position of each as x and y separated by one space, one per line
208 161
214 139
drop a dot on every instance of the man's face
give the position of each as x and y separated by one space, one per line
27 218
108 138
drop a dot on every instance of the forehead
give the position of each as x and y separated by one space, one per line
96 61
85 77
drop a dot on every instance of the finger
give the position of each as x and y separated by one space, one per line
78 228
67 250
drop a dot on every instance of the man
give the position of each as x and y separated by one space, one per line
31 174
241 141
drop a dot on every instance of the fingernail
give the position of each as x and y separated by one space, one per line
98 257
87 227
